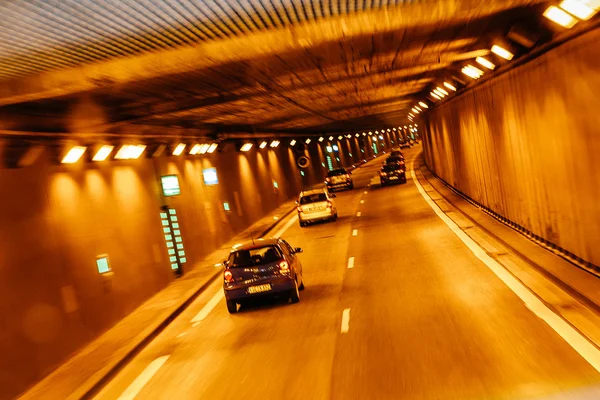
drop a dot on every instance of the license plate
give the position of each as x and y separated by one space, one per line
393 177
259 288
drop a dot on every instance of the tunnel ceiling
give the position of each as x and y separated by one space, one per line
185 67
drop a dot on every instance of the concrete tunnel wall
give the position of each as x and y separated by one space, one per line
57 218
526 145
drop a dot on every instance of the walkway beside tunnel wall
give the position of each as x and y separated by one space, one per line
526 145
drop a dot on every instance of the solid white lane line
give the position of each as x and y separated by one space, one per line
138 384
358 214
351 262
575 339
355 232
362 202
345 320
208 307
284 228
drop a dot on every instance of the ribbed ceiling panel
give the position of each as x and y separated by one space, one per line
40 35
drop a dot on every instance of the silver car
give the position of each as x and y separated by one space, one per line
316 205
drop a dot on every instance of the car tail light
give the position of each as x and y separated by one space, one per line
284 267
328 179
383 173
299 209
347 176
329 204
228 276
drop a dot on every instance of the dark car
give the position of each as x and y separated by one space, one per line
395 160
396 153
404 145
393 172
339 179
259 268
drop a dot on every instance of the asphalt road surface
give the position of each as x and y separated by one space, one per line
417 316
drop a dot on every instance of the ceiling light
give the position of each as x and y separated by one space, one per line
440 94
364 133
246 147
485 63
449 86
394 129
330 137
195 149
212 148
321 139
275 143
263 144
357 135
205 148
179 149
418 108
439 89
74 155
559 16
293 142
578 8
370 133
435 95
472 72
307 141
340 137
423 104
103 153
502 52
130 151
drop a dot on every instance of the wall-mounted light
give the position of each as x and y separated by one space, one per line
329 149
211 149
130 151
73 155
340 137
439 89
330 138
440 94
275 143
292 142
472 72
485 63
435 95
423 105
262 144
103 153
560 17
394 129
502 52
380 137
246 147
195 149
179 149
357 135
364 133
370 133
307 141
321 139
449 86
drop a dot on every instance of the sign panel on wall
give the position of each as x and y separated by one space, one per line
170 185
210 176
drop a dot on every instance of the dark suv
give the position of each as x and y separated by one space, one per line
339 179
393 172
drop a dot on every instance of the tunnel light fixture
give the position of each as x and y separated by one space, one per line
262 144
275 143
292 142
449 86
418 108
485 63
246 147
179 149
424 105
438 93
394 129
370 133
348 136
103 153
357 135
502 52
73 155
560 17
472 72
364 133
211 149
439 89
578 8
307 141
130 151
330 138
195 149
380 137
435 95
321 139
340 137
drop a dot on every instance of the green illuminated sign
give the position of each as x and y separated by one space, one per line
170 185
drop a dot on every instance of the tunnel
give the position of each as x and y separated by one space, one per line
139 138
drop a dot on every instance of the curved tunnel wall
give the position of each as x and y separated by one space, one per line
527 145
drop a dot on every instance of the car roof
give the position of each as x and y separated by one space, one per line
313 191
255 244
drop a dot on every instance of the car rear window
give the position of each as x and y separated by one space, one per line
337 172
254 257
313 198
394 160
391 167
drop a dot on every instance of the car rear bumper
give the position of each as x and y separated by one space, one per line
278 286
389 179
316 216
341 185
